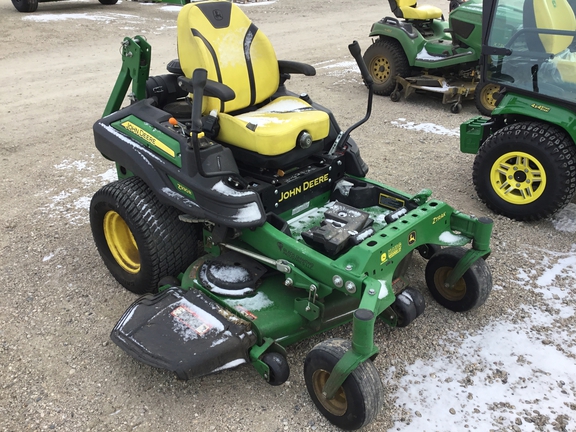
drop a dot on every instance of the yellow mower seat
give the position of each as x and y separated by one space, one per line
219 37
409 9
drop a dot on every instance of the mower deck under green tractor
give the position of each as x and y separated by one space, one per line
240 253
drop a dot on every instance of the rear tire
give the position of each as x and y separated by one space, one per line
526 171
108 2
140 239
25 5
385 59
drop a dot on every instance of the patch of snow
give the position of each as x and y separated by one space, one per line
249 213
339 69
224 189
426 127
508 373
230 274
230 365
565 219
383 290
452 239
489 384
258 302
48 257
76 16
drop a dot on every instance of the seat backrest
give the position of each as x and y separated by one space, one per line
219 37
397 5
548 14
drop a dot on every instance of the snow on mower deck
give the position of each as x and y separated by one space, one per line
292 244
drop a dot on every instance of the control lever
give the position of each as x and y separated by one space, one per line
342 138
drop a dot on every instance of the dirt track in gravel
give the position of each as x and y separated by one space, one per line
58 369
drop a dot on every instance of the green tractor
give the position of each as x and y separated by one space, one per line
244 217
32 5
525 165
419 51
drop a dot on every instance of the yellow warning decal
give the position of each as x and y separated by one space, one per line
128 125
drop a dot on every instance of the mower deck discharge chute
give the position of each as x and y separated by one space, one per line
244 216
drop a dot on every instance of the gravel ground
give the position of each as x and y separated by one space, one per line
59 371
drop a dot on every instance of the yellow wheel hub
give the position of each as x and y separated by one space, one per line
338 404
518 178
121 242
487 96
455 293
380 67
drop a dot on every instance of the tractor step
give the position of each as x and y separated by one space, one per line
184 332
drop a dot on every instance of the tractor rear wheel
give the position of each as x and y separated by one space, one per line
25 5
526 171
140 239
385 59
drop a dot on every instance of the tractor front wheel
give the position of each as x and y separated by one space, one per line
485 97
469 292
140 239
25 5
526 171
359 399
385 59
108 2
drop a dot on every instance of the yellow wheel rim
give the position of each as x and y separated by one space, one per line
338 404
455 293
380 68
518 178
487 96
121 242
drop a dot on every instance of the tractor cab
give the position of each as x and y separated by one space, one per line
535 56
525 166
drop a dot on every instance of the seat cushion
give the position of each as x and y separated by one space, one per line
274 128
425 12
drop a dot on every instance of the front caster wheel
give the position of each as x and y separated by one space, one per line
395 96
456 108
469 292
359 399
279 369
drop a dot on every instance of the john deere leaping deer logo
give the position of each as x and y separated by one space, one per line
412 238
217 15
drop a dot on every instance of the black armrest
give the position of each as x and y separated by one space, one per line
212 89
292 67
